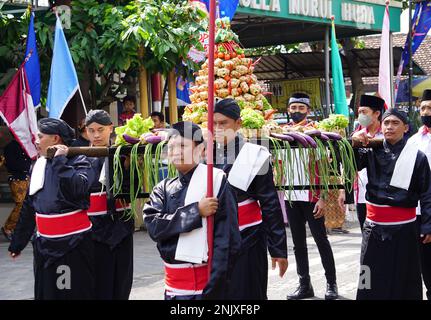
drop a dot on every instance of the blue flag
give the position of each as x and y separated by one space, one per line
421 25
32 67
63 83
227 7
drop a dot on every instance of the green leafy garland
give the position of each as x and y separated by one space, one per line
327 160
143 173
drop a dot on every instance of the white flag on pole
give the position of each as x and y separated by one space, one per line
385 76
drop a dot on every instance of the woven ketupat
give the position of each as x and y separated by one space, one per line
334 216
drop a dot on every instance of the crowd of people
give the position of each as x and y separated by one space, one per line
79 227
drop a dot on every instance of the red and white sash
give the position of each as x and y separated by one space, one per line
61 225
185 278
99 206
387 215
249 214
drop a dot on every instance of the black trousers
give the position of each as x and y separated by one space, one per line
390 268
361 211
249 276
298 214
425 257
114 270
70 277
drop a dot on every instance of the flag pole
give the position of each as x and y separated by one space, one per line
327 73
210 139
410 57
82 99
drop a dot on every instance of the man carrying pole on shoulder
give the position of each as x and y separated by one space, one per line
259 213
56 205
399 177
112 232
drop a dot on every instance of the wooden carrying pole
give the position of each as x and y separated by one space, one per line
97 152
372 143
104 152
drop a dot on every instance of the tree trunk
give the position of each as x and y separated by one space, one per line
354 73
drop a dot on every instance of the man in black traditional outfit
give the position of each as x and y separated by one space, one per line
398 177
423 139
56 205
259 212
176 218
112 231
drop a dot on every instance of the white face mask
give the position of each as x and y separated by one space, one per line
364 120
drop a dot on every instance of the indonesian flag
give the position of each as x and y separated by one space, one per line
385 75
16 109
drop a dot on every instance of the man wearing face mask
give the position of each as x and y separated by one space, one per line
423 139
303 207
298 109
369 116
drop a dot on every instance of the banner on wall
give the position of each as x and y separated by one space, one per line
282 90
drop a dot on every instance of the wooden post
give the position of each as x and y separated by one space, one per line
156 92
143 86
172 90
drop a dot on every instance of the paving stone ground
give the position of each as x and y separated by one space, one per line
16 277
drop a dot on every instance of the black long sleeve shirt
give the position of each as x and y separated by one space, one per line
66 189
380 164
112 227
263 190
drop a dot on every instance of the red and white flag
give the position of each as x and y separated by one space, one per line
16 109
385 75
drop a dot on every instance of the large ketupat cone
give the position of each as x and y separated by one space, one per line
234 79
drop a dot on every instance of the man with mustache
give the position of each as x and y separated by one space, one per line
398 177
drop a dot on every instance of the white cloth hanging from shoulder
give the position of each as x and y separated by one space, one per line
249 162
404 166
193 246
102 177
37 179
